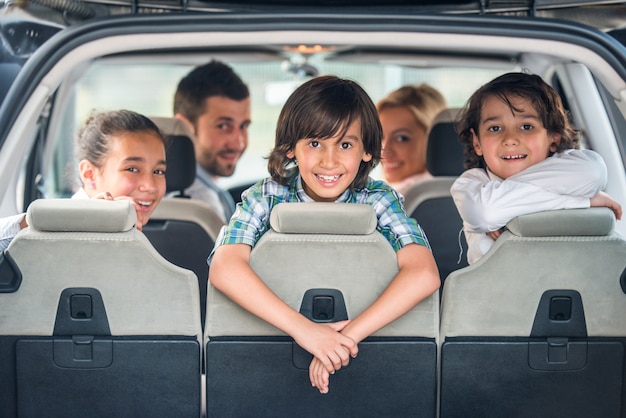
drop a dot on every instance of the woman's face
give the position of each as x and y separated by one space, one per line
134 169
404 144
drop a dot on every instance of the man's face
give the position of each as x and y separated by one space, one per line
222 134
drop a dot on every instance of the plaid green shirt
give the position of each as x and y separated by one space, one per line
252 216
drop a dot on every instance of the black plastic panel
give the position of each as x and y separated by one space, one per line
258 378
149 377
560 314
81 311
494 379
10 274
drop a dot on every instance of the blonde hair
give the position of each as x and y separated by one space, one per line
424 102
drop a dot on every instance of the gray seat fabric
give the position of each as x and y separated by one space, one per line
530 326
316 257
183 230
430 201
171 126
181 173
97 320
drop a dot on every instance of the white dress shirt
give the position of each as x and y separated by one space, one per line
206 189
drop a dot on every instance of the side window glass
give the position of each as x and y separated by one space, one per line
616 114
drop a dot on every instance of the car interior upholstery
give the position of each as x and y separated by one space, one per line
99 319
534 330
178 219
323 268
97 307
430 201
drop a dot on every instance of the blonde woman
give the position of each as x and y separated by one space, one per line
406 115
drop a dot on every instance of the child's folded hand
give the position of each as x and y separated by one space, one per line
604 200
495 234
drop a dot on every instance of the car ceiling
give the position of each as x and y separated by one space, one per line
605 15
26 24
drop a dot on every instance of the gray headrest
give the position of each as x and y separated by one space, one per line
171 126
181 158
444 153
81 215
181 163
566 222
323 218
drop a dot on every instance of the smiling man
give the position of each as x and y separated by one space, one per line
215 103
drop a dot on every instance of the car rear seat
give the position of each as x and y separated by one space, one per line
93 321
316 257
430 201
183 230
536 327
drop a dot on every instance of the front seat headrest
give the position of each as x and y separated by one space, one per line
180 155
181 163
444 153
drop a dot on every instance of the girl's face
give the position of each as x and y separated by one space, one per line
404 144
512 141
134 168
329 166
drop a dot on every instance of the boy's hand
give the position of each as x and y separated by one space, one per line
495 234
325 342
318 375
604 200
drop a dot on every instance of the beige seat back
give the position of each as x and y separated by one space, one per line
327 261
566 249
321 246
96 308
542 312
183 230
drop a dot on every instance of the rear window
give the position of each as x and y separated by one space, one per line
149 89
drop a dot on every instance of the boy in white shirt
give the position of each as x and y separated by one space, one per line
523 157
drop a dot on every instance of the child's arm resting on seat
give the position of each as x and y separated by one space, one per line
486 205
231 274
604 200
417 278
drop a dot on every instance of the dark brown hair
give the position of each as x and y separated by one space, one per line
94 138
544 99
322 108
209 80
